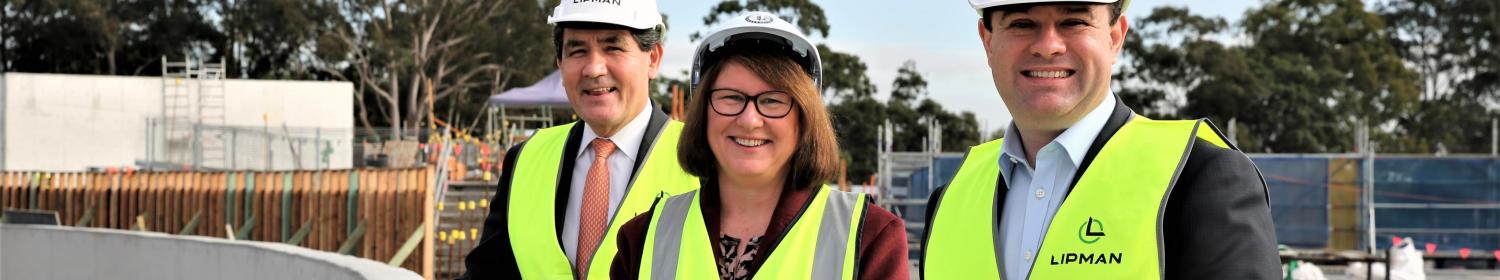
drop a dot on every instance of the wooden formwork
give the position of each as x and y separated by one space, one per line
326 206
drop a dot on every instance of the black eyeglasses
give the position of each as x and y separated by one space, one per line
771 104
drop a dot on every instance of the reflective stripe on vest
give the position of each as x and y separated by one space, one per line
819 245
1109 225
533 192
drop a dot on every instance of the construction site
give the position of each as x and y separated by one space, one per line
236 179
203 166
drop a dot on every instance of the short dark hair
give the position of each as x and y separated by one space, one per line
1114 10
646 38
816 160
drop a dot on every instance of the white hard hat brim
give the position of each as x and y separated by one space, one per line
636 22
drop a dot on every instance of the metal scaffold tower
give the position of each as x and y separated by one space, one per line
192 100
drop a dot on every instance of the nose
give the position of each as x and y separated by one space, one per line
594 66
750 118
1049 44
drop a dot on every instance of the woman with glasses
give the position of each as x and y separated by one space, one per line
760 138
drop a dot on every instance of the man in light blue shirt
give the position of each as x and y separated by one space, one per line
1081 187
1035 193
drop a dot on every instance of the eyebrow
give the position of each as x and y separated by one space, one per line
608 41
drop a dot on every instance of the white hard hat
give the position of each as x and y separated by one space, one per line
638 14
760 28
980 5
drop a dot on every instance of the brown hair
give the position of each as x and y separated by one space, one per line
817 157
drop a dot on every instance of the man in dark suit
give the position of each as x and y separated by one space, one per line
566 191
1081 186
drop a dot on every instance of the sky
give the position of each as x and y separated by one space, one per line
939 35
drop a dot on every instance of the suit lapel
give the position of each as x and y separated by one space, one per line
648 140
565 177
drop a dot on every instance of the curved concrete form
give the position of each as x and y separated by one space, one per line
51 252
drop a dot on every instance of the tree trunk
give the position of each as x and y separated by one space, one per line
362 111
395 107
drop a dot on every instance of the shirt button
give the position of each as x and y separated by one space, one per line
1014 161
1040 193
1028 255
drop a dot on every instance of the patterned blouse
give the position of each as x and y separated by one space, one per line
736 264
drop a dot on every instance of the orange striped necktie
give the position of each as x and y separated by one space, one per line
593 218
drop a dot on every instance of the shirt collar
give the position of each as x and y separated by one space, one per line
627 140
1075 140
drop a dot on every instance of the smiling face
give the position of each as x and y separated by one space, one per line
1052 63
751 145
606 76
796 145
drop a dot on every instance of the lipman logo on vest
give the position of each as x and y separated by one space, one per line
1091 231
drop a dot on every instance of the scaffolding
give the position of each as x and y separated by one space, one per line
192 98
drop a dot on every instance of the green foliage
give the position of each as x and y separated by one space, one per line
856 122
844 75
465 49
1330 63
267 39
1309 73
101 37
912 119
388 49
1179 56
1451 43
909 83
959 130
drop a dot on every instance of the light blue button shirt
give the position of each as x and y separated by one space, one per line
1035 193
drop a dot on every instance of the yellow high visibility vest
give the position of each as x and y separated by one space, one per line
819 245
533 192
1107 227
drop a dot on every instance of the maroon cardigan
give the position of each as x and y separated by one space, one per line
881 252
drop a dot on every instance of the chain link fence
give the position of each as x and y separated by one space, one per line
175 145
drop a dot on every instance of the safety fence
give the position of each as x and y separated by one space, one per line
1318 201
180 145
378 214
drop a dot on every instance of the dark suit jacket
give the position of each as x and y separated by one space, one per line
1217 223
493 258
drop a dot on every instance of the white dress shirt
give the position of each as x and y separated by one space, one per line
1035 193
621 166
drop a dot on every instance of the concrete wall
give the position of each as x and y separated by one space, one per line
55 122
2 122
49 252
